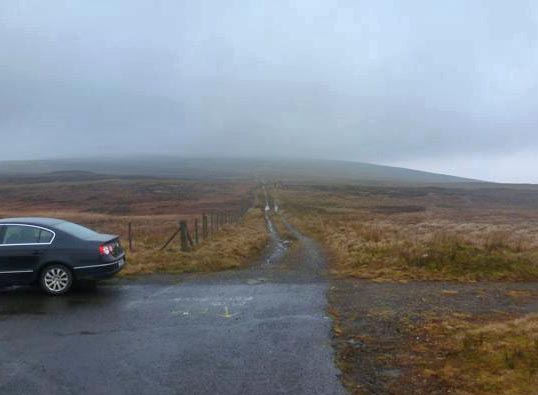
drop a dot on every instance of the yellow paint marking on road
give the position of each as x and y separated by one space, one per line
227 313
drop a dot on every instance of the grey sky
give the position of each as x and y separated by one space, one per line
445 86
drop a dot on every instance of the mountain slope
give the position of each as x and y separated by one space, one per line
196 168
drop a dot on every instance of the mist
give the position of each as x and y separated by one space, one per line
441 86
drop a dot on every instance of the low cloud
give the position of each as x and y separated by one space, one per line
379 81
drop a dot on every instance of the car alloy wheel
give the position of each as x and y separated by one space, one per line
56 280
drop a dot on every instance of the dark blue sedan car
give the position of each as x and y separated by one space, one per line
54 254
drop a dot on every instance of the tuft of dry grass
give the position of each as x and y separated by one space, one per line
483 359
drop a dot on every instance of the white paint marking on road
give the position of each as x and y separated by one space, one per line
183 313
233 300
189 312
162 291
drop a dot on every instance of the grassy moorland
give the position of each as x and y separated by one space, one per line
425 297
153 207
83 192
427 233
230 248
486 358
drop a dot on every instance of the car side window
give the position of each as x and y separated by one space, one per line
44 236
18 234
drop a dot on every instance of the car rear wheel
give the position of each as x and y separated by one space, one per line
56 279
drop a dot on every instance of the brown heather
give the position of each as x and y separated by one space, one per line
153 207
434 236
483 359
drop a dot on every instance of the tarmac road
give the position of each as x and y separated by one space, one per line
258 331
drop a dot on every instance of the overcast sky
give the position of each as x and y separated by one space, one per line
449 86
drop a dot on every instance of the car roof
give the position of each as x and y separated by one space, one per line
38 221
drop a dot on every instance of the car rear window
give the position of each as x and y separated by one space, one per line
78 231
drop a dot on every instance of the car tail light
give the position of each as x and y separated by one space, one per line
106 249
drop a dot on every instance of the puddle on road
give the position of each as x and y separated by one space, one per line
30 301
9 313
256 281
277 247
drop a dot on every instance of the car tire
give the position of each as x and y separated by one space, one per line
56 279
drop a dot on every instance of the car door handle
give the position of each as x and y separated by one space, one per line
37 252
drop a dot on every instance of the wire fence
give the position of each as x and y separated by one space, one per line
195 231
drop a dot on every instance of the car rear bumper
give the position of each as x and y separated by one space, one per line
99 271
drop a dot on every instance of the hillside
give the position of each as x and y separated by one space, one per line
203 168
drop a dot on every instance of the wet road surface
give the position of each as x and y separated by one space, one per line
259 331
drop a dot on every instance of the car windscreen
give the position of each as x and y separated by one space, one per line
77 230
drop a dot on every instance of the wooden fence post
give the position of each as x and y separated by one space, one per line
212 222
130 236
196 236
189 239
184 236
204 227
